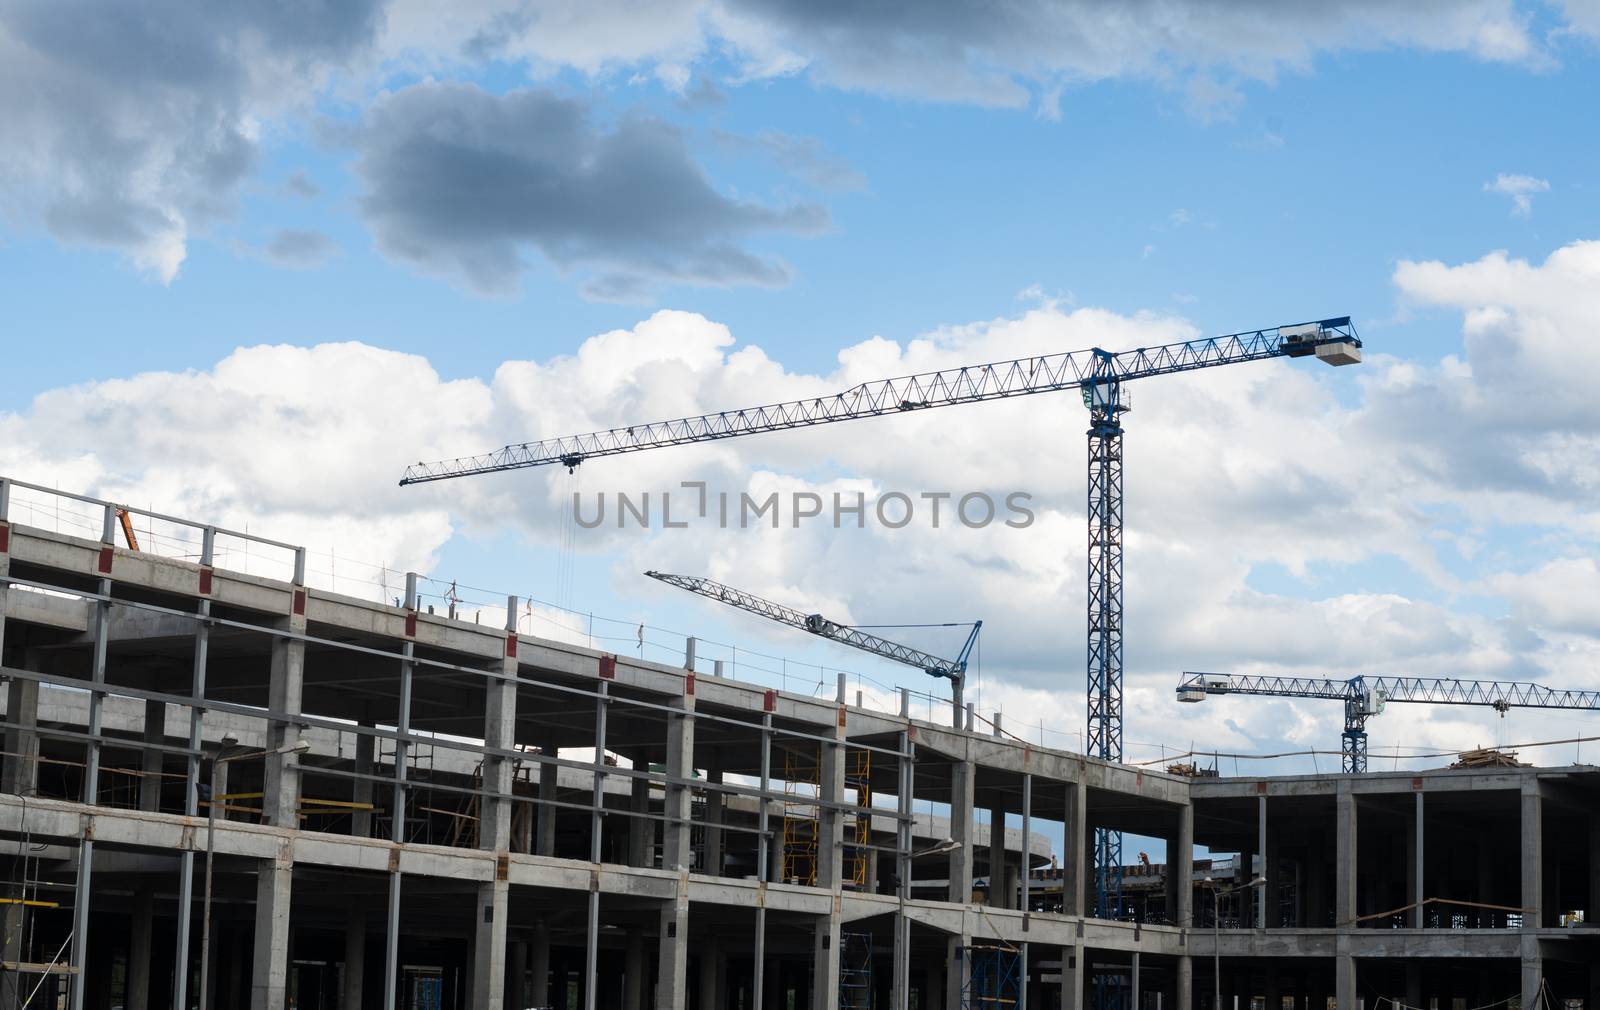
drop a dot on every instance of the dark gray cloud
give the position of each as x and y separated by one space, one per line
299 249
129 126
460 182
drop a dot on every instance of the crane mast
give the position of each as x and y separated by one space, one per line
1098 373
954 670
1365 697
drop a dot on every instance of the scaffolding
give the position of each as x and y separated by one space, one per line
994 978
802 785
857 854
855 971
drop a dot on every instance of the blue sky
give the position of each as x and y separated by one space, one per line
511 183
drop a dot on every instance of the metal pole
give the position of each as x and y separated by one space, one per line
592 954
763 865
903 842
91 773
1027 905
397 833
211 847
1216 949
202 645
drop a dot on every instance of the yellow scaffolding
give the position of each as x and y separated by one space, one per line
858 858
802 784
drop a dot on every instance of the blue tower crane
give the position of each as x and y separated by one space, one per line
1365 697
1098 373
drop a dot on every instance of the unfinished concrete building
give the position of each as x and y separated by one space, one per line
376 806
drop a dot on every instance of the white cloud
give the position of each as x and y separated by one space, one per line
1232 472
1520 188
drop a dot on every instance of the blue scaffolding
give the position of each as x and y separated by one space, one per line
855 971
994 978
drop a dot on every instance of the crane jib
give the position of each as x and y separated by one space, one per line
1332 340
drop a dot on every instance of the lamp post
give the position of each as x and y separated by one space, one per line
1217 895
228 742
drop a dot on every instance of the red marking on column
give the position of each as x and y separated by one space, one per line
1261 787
205 581
106 554
5 539
299 605
842 712
411 624
511 645
608 667
769 701
1138 780
688 683
1416 783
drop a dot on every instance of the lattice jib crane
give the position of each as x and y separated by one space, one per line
1365 697
953 670
1097 373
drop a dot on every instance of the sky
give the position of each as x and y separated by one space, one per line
255 260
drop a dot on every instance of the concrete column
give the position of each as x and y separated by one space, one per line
1075 850
962 780
633 970
1072 977
1417 866
1185 983
957 951
1344 971
138 978
489 946
151 761
499 732
1180 868
641 830
539 965
714 809
545 835
1532 856
13 927
998 897
1133 977
672 965
281 803
1263 894
355 957
21 772
830 871
825 962
269 977
361 790
1532 970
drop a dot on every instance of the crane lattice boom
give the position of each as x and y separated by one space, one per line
952 670
968 384
1499 694
1365 697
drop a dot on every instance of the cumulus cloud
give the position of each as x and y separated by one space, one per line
131 127
460 182
299 248
1281 467
1520 188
